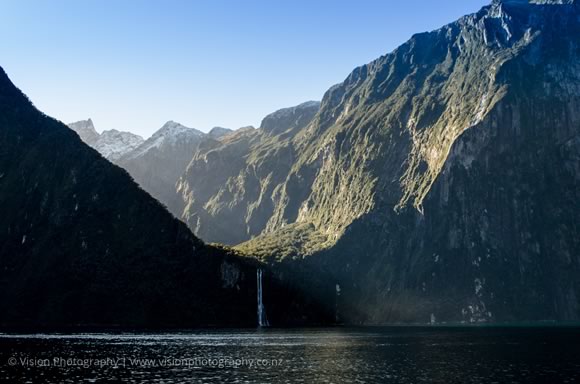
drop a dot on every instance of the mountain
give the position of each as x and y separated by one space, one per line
438 183
290 119
226 194
112 144
82 244
86 131
158 162
218 132
155 163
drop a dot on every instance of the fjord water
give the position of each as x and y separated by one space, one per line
366 355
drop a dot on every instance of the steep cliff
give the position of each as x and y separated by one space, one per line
443 178
227 192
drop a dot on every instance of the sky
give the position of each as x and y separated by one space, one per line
132 65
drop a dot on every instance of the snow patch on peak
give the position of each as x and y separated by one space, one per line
170 134
113 144
171 129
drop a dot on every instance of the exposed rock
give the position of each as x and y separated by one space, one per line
112 144
217 132
442 179
228 190
86 131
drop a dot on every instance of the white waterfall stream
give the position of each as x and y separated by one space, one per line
262 320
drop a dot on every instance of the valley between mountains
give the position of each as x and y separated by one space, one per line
439 183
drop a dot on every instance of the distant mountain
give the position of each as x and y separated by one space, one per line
82 244
86 131
158 162
112 144
217 132
160 166
155 163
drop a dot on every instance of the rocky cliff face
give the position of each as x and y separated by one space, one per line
112 144
86 131
229 190
218 132
442 180
438 183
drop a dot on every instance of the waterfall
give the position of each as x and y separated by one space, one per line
262 320
336 304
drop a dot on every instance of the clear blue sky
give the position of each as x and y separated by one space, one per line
132 65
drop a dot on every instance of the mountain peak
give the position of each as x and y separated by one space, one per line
86 131
170 134
111 143
4 76
217 132
173 128
286 118
309 104
172 123
88 123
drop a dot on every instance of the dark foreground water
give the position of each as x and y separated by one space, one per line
368 355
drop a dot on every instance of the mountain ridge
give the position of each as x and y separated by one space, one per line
226 189
82 245
405 188
112 144
437 184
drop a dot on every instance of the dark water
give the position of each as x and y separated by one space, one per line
369 355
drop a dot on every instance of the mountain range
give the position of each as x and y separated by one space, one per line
112 144
81 244
195 174
156 163
439 183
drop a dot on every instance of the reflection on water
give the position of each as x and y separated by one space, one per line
368 355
